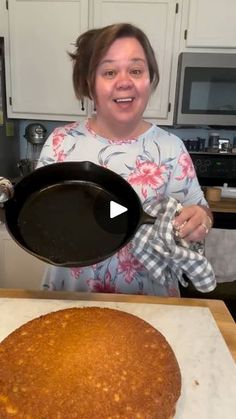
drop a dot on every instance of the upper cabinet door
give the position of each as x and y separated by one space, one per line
3 18
41 32
157 19
211 24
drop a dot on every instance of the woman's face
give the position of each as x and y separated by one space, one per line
122 84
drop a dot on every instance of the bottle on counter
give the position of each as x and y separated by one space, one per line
234 145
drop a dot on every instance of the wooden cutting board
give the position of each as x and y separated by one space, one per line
207 367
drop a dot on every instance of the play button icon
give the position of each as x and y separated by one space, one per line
116 209
111 214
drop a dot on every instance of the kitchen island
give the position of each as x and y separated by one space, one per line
201 333
217 308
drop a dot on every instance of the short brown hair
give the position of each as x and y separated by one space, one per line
91 47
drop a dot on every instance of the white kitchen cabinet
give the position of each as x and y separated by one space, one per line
3 18
40 70
158 19
209 24
40 32
18 269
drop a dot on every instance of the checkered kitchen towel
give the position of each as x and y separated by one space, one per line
164 254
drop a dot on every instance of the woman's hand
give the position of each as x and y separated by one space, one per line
193 223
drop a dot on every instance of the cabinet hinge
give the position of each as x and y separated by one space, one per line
185 34
10 100
7 4
169 107
177 8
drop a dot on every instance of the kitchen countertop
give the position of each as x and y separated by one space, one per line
227 205
217 308
224 205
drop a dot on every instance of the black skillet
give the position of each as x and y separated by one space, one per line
60 213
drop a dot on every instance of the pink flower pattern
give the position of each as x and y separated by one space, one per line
128 265
187 167
100 285
147 174
57 140
76 272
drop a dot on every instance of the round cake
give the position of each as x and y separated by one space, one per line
88 363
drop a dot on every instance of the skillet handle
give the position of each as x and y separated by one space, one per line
147 219
6 190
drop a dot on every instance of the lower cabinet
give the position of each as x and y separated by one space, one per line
18 269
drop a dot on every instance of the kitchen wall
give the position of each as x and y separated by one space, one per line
184 132
202 132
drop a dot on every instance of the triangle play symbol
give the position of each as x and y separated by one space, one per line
116 209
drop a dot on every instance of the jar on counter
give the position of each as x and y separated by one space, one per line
213 194
214 142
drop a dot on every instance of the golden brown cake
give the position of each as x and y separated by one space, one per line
95 363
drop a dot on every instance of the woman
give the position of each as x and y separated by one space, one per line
115 66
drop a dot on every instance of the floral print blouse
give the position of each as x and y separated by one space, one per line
157 165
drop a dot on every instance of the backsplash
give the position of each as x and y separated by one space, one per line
185 133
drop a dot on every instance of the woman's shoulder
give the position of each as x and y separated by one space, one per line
164 134
71 129
164 139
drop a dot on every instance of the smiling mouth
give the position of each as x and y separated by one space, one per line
124 100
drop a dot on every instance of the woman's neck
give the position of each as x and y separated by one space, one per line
119 132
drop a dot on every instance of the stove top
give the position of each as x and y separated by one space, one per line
215 169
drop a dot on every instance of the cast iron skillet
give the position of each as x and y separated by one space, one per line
60 213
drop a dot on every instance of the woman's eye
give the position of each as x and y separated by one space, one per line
109 73
136 71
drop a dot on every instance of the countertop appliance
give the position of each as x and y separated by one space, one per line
35 135
216 169
206 89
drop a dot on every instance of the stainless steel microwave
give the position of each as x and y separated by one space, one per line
206 89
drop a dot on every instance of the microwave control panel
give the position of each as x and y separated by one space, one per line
215 168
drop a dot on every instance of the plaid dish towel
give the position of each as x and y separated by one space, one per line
163 254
